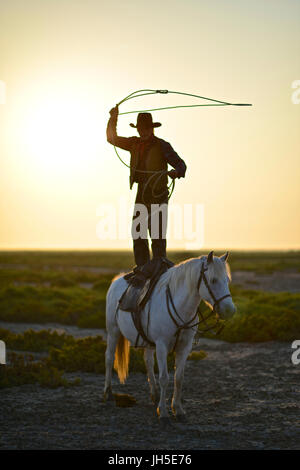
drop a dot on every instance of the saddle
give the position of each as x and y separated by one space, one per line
141 282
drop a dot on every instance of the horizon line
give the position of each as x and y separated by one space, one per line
5 249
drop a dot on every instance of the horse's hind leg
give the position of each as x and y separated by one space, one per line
112 340
149 361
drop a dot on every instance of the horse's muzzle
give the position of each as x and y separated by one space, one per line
226 308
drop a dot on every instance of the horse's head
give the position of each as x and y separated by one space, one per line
214 285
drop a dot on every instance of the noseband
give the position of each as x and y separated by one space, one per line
204 278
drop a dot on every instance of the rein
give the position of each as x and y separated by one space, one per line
189 324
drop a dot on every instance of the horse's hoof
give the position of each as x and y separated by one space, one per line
108 398
181 418
165 423
155 398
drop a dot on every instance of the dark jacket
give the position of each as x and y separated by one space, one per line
160 151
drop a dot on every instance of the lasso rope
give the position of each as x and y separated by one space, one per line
138 93
152 92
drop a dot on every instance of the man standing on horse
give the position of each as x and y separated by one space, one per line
149 161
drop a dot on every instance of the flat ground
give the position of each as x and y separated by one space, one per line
242 396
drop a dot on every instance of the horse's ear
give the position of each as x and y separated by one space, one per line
210 257
225 257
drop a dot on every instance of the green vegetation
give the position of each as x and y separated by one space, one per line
51 286
23 369
262 316
60 278
35 341
70 305
88 355
68 258
259 261
65 355
56 293
196 356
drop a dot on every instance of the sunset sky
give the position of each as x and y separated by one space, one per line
66 63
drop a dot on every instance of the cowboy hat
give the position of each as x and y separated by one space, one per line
145 120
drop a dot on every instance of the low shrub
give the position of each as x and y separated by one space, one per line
35 340
196 356
23 369
262 316
86 355
63 277
71 306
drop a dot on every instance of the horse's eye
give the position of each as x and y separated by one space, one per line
214 280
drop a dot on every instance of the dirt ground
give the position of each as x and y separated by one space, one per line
241 396
278 281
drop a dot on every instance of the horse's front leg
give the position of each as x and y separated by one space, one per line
161 356
149 361
112 339
182 352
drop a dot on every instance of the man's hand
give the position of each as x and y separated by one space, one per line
114 112
173 174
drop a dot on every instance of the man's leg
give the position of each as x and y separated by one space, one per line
157 224
141 251
139 234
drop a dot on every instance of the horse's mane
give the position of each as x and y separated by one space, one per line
189 271
184 271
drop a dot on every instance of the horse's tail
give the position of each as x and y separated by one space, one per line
122 357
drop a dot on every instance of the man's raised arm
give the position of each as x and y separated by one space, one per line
124 143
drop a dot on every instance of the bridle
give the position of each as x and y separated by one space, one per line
204 278
189 324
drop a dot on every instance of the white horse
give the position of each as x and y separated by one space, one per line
179 289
